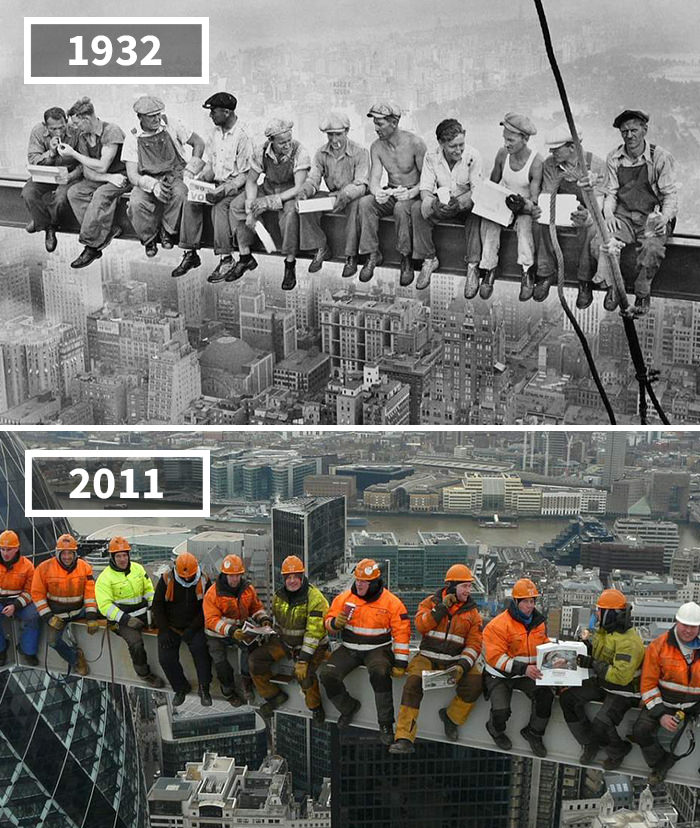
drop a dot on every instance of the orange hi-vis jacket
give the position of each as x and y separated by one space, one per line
16 582
64 592
667 678
226 609
452 634
374 623
510 646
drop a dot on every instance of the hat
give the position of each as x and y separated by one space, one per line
518 123
628 114
148 105
220 99
334 122
384 110
560 135
277 126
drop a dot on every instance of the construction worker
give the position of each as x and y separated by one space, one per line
640 207
450 625
16 573
228 603
48 203
374 630
400 153
670 683
95 197
178 613
63 590
156 162
124 592
285 164
519 169
447 182
510 649
344 166
298 610
615 657
227 155
561 174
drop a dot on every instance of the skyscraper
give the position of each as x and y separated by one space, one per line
615 450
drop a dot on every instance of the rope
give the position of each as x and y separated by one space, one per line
594 210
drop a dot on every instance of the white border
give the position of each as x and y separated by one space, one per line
202 454
203 22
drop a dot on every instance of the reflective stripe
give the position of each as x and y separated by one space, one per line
368 630
652 703
352 646
627 694
501 662
297 631
682 688
468 651
649 693
449 637
310 650
439 656
64 599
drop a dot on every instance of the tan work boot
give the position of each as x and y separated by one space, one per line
81 665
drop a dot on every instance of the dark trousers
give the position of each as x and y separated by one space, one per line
47 203
169 659
95 206
219 649
134 641
370 211
423 244
546 260
378 662
223 217
499 691
312 237
602 729
645 732
148 215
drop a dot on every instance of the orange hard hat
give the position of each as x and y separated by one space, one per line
119 544
186 565
459 573
524 588
232 565
612 599
367 570
9 539
66 543
292 565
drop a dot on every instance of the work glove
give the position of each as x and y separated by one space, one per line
56 622
340 621
162 191
194 166
580 217
301 671
459 673
614 246
655 224
398 672
134 623
450 599
584 660
93 625
238 635
445 211
188 634
516 203
264 621
215 196
250 221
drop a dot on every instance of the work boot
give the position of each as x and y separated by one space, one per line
290 276
471 282
386 734
204 695
50 240
232 696
345 719
87 257
406 272
610 302
499 737
527 285
319 258
589 754
31 227
541 291
223 267
402 746
167 240
616 758
430 265
534 740
451 729
268 708
318 715
350 268
642 305
3 657
248 689
488 278
29 659
190 260
585 295
151 248
81 665
374 260
156 682
180 696
245 262
658 774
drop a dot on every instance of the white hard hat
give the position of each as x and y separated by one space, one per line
689 614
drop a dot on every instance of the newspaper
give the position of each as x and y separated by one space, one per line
439 679
490 202
253 631
197 190
557 662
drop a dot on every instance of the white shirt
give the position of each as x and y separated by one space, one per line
461 179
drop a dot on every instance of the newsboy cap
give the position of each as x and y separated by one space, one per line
220 99
628 115
334 122
383 109
276 126
560 135
148 105
518 123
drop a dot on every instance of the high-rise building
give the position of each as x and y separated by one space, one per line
614 464
174 381
268 329
415 371
669 492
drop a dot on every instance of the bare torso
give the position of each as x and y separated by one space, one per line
401 156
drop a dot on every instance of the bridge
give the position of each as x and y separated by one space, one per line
677 278
109 660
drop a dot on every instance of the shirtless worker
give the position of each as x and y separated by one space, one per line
401 154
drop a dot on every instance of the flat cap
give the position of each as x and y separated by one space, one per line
148 105
628 114
383 109
518 123
560 135
220 99
277 126
334 122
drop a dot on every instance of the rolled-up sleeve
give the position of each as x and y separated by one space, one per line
667 184
428 176
302 159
